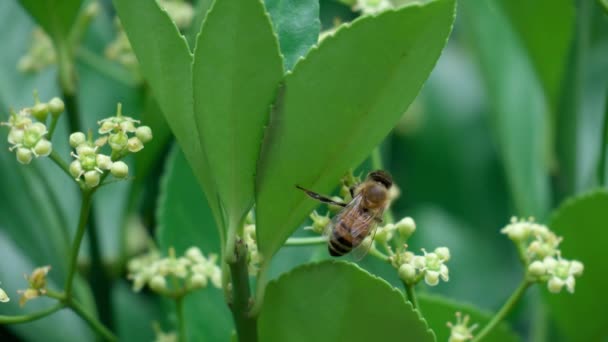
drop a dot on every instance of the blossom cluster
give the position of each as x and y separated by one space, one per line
429 266
539 247
192 271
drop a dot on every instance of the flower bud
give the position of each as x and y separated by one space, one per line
118 141
56 106
431 278
537 269
76 169
92 178
15 136
198 281
407 273
143 133
384 234
119 169
40 111
103 162
443 253
555 285
24 155
77 139
43 148
406 227
158 283
135 145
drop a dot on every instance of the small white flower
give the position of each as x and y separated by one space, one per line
461 331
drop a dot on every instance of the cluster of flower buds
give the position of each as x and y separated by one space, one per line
4 298
122 134
255 258
539 247
28 129
192 271
40 53
431 267
37 285
461 331
404 228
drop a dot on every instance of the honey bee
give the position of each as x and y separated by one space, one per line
359 218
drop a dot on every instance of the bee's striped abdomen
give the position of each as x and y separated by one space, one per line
340 242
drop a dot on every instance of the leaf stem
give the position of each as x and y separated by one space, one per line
181 322
411 295
246 324
31 317
504 311
82 224
306 241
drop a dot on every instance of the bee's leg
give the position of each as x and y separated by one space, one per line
352 191
321 198
379 220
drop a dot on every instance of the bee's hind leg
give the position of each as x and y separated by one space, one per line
320 197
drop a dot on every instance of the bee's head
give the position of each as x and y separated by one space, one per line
381 177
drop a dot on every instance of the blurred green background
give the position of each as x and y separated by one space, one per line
511 122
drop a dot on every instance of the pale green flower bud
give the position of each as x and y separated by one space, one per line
4 297
76 169
537 269
134 145
431 278
40 111
406 227
407 273
103 162
144 133
576 268
119 169
384 234
92 178
15 136
443 253
158 283
43 148
85 149
77 139
118 141
56 106
24 155
195 254
555 285
198 281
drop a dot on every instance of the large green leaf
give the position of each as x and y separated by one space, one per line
165 61
55 16
297 24
236 70
582 222
338 104
438 311
546 41
185 220
337 301
518 106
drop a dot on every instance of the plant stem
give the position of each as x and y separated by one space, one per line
31 317
411 295
54 156
67 83
504 311
306 241
54 121
602 167
82 224
93 323
246 325
99 278
181 322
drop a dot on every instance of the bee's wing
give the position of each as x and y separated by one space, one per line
367 224
353 204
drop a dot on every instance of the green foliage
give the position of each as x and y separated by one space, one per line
438 310
334 108
55 16
297 24
582 222
185 220
337 301
236 69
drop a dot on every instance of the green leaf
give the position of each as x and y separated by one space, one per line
547 42
581 221
185 220
438 311
338 104
518 106
165 61
236 70
55 16
297 24
337 301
